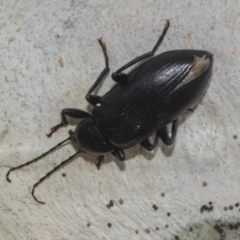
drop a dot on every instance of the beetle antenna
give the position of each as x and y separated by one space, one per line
50 173
35 159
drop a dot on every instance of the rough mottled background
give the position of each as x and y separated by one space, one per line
49 57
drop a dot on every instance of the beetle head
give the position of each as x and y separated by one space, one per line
89 139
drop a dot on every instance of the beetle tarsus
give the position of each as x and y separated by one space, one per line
167 24
103 44
54 129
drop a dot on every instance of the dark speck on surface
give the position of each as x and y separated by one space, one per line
147 231
155 207
235 136
110 204
205 184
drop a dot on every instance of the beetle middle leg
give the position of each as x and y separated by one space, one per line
147 145
119 76
70 112
163 133
94 99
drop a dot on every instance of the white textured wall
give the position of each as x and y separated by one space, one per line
34 88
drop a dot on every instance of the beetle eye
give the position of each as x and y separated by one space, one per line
200 64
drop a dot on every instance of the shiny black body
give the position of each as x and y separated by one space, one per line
140 105
151 97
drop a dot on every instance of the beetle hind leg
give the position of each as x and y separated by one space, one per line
94 99
119 76
163 133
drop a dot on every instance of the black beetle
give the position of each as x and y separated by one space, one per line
140 105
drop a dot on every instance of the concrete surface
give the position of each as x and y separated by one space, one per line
49 57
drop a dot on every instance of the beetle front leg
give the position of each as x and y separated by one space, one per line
119 76
94 99
163 133
70 112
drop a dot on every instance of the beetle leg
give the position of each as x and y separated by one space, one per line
99 162
118 76
94 99
119 154
70 112
147 145
163 133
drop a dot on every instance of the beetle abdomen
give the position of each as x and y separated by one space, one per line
155 94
